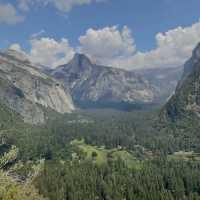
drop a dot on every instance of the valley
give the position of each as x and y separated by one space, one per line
99 100
102 152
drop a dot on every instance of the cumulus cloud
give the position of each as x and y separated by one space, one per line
107 44
50 52
115 47
8 14
21 53
61 5
47 51
16 47
173 48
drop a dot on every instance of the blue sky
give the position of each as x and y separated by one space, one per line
144 18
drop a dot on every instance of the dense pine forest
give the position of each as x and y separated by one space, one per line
96 155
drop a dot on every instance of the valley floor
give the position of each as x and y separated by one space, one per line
100 154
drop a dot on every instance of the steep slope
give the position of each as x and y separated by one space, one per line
92 85
29 92
186 100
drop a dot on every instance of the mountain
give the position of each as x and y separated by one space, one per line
164 80
186 100
93 85
29 92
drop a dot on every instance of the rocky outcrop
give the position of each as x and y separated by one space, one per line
94 85
28 91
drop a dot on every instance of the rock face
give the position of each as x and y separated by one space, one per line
92 85
28 91
186 100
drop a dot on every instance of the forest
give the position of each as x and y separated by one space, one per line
93 155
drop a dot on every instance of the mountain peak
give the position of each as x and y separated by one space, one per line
81 60
80 55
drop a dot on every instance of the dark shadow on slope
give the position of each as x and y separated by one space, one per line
122 106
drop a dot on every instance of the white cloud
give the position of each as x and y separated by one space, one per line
16 47
113 47
38 34
20 53
47 51
61 5
173 48
107 44
50 52
67 5
8 14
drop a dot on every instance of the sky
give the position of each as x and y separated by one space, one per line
127 34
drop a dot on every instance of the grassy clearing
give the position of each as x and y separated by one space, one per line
185 156
101 155
129 159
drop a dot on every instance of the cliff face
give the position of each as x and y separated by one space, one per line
28 91
186 100
91 84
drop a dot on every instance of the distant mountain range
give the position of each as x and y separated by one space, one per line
32 91
186 100
94 85
164 80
